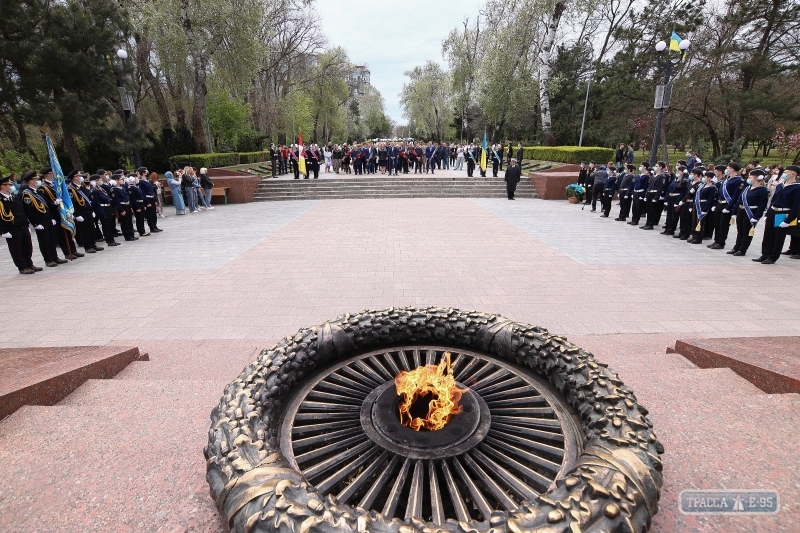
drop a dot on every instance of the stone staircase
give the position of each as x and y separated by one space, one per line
126 453
404 186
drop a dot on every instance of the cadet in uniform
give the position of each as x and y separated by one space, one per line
639 190
122 206
149 194
64 238
676 190
704 200
497 161
470 161
686 204
137 204
786 204
752 204
626 192
38 213
609 188
14 229
729 191
84 214
656 188
101 202
711 225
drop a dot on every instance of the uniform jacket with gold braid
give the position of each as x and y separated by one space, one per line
12 214
36 207
48 192
81 202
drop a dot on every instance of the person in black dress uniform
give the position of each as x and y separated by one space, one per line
729 191
470 153
137 204
84 214
626 192
150 214
656 189
685 206
711 224
609 189
675 191
639 206
512 177
101 202
752 204
122 205
38 213
786 205
704 200
62 235
14 229
497 160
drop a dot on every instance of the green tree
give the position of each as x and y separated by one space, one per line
426 100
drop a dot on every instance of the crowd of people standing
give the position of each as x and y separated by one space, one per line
389 158
703 203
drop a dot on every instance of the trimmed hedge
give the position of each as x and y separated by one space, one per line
223 159
569 154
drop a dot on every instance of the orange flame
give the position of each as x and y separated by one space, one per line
436 380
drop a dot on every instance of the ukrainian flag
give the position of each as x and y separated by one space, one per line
60 184
485 147
674 42
301 160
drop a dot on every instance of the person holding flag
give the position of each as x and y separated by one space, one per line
483 159
301 156
54 190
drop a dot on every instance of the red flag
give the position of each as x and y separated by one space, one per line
300 137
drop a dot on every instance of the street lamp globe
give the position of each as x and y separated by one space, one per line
685 44
661 46
122 54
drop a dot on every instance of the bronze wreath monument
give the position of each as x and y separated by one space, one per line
545 437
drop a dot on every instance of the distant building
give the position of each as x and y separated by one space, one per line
358 79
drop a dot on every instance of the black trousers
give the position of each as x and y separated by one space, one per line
274 166
296 170
84 232
151 216
655 206
672 218
686 217
510 189
47 242
65 240
723 225
588 188
20 247
495 168
126 223
639 208
470 167
107 222
699 234
624 207
774 238
607 199
712 222
597 194
140 220
743 226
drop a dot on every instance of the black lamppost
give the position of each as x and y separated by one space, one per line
127 106
664 92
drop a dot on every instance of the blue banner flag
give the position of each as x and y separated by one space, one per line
675 42
60 184
485 146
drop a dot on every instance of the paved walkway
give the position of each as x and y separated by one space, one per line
215 287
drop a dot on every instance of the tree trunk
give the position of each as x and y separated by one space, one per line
177 93
200 90
72 148
143 60
544 74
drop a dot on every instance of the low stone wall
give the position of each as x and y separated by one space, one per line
551 184
241 187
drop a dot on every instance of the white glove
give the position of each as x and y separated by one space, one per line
6 235
38 227
57 201
726 211
784 225
691 190
93 215
627 197
691 210
53 221
79 219
665 203
713 209
754 221
680 203
654 200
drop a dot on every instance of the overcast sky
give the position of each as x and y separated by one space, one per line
392 37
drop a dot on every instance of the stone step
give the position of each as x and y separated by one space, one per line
137 467
121 393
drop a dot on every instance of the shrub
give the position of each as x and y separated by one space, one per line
253 157
569 154
223 159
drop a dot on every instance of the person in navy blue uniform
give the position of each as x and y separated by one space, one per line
675 191
124 209
685 206
137 204
470 154
751 207
38 214
430 160
64 237
639 191
656 189
785 203
497 160
729 191
14 229
704 200
150 214
83 213
101 202
711 224
609 189
626 192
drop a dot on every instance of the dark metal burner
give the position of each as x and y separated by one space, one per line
379 418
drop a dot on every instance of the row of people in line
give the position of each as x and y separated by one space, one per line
387 158
704 203
190 189
99 202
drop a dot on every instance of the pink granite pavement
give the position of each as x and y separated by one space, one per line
204 296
